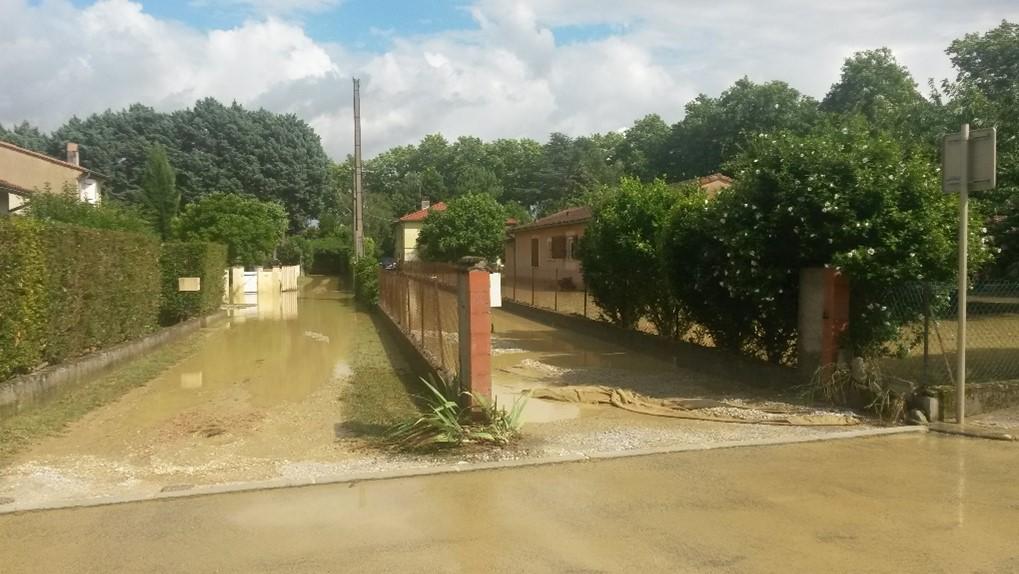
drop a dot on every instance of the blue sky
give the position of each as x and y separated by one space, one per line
368 25
489 68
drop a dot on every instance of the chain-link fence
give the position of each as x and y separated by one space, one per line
421 298
926 350
557 288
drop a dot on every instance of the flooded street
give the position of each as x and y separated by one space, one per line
260 398
920 503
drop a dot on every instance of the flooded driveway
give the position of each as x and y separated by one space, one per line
923 503
259 399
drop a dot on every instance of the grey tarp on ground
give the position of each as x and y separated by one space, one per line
696 409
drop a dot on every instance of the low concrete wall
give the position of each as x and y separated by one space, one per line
21 391
713 362
980 398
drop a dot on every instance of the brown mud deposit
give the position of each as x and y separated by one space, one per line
529 355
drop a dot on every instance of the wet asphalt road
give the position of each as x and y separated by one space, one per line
910 503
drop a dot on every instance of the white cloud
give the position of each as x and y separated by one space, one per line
509 77
270 7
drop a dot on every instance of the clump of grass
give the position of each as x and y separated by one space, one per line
865 388
454 419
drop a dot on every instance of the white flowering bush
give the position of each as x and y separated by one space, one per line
844 197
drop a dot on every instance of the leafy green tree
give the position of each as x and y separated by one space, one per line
986 94
516 163
477 179
620 256
116 144
213 148
641 153
473 224
159 194
841 196
250 228
65 206
872 83
27 136
716 129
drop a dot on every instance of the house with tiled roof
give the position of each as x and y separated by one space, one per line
544 252
409 226
24 173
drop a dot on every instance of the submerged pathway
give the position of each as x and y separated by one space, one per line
259 399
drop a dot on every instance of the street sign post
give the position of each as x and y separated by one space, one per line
968 163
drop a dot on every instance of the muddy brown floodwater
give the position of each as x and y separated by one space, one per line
893 504
258 400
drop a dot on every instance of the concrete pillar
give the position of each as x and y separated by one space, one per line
237 285
475 327
823 318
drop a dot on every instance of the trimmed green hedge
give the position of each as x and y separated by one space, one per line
67 290
191 259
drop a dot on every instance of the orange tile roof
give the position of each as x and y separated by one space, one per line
421 214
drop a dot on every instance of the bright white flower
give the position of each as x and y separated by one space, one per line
870 251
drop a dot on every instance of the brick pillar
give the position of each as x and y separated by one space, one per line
823 317
475 327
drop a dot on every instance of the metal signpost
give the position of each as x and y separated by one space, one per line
968 163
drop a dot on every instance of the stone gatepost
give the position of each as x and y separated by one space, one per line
475 326
823 317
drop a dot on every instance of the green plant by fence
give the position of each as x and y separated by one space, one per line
925 351
67 290
191 259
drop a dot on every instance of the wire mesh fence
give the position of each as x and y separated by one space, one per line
421 298
926 351
556 288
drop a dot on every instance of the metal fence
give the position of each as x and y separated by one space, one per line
558 289
421 298
927 347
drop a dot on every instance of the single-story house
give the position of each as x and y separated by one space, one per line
409 226
24 173
545 251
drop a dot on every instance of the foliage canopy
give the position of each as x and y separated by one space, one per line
250 228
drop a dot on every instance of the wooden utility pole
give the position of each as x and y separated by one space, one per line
358 188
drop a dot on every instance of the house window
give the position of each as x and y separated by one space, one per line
557 248
571 247
534 252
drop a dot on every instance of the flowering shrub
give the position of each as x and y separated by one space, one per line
843 197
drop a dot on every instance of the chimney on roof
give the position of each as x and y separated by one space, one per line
425 204
72 153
